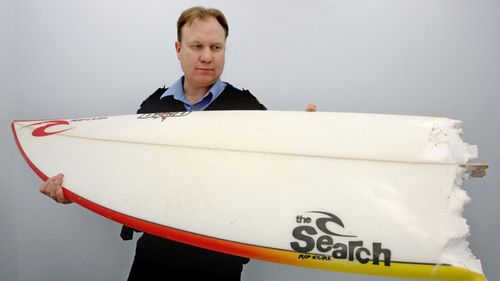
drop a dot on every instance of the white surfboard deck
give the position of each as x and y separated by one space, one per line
361 193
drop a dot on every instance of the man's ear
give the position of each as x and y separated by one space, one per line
177 48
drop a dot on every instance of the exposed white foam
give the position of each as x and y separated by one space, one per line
446 145
456 251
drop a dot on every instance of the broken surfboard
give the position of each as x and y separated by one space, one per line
360 193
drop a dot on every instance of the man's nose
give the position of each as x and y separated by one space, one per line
206 55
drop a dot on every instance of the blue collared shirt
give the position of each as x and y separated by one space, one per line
177 91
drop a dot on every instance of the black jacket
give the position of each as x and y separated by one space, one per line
230 99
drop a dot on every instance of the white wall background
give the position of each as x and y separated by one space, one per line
103 57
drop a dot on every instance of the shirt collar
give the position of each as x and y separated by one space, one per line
177 91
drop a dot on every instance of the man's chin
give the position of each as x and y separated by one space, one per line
206 82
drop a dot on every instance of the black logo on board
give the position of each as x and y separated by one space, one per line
163 115
326 234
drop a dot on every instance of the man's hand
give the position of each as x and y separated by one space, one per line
53 189
311 108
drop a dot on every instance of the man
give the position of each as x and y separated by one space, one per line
200 48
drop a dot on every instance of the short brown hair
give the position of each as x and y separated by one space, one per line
200 13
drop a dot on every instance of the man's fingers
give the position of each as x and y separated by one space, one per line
53 189
59 196
49 186
58 179
43 188
311 108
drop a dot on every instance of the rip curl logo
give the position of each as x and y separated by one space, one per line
163 115
325 234
322 222
43 131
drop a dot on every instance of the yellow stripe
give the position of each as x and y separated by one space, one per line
396 269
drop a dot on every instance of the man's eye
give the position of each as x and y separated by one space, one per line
196 46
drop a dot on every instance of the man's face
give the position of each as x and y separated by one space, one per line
201 52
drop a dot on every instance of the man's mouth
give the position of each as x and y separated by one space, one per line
204 69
